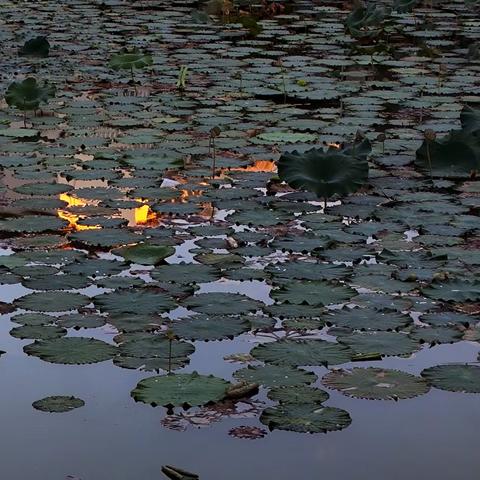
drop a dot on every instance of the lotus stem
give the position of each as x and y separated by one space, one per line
213 157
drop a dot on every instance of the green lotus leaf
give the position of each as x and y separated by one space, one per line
175 390
57 282
470 118
80 320
28 95
35 47
32 224
145 254
454 377
376 383
457 155
58 404
71 350
302 353
305 418
326 173
365 20
382 343
52 301
152 352
217 303
315 293
105 237
367 319
128 60
405 6
40 332
454 291
210 327
436 335
185 273
33 319
298 394
139 301
275 376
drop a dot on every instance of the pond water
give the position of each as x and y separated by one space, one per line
140 206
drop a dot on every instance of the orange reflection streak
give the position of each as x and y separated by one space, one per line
258 166
71 218
333 145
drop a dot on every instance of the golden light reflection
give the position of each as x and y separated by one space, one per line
144 215
259 166
334 145
71 218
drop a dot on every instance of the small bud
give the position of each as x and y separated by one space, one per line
430 135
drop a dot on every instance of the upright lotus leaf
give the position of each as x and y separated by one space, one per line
183 389
405 6
302 353
375 383
315 292
71 350
58 404
145 254
130 60
336 171
470 119
305 418
457 155
454 377
365 20
35 47
28 95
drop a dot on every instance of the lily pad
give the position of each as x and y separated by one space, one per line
58 404
376 383
71 350
454 377
186 389
305 418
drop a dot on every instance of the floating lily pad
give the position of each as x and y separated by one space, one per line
71 350
298 394
52 301
210 327
382 343
376 383
275 375
140 301
454 377
33 224
145 254
58 404
221 303
302 353
187 389
40 332
305 418
316 293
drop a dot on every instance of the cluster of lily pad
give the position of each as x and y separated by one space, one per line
114 217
